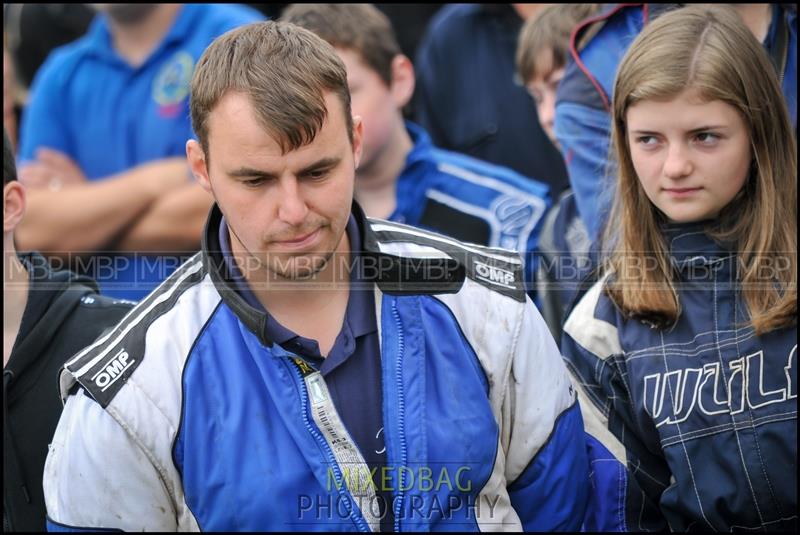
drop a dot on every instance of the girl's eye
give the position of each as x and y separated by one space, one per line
707 138
647 141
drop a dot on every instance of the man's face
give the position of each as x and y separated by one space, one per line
286 213
542 88
691 156
373 101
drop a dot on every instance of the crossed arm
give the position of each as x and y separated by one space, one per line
151 207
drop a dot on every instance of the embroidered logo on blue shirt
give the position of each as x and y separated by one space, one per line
172 83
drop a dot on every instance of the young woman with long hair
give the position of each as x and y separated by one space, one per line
684 352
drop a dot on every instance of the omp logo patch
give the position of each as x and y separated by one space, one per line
111 372
493 275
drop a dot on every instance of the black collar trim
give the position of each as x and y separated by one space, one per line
394 275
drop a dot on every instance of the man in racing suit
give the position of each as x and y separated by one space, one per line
312 369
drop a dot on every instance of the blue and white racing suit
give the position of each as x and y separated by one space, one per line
471 200
693 427
186 417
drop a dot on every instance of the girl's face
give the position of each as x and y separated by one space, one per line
691 157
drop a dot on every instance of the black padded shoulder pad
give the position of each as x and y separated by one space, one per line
499 270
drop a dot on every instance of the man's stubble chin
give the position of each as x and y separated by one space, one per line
298 268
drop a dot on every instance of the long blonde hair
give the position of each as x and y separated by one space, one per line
711 50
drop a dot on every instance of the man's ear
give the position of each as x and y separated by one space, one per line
197 163
403 80
13 205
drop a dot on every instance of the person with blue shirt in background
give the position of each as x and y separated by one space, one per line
402 176
583 119
102 143
312 369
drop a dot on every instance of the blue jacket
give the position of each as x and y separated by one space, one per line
187 417
692 427
470 200
583 120
467 97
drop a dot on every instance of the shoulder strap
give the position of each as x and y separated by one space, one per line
497 269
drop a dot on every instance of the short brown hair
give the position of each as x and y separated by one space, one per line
284 70
551 30
358 27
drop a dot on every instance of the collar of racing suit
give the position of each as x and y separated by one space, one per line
394 275
692 245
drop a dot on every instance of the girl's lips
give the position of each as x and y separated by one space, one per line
681 192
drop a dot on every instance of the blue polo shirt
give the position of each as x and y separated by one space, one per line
352 368
108 116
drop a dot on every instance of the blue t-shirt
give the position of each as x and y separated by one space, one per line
352 368
89 103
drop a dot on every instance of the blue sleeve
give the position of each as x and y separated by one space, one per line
584 135
608 476
608 479
43 121
551 493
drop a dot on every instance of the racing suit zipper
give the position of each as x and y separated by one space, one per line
341 486
400 415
